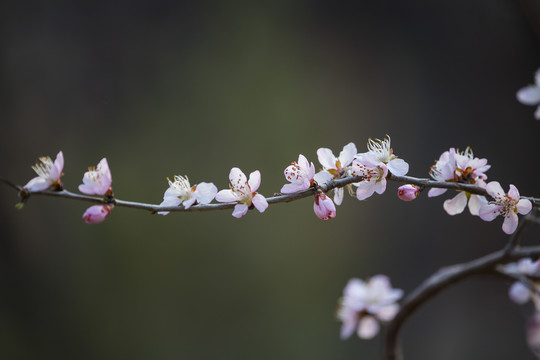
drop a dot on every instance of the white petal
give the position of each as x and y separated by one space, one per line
380 186
58 166
365 190
513 193
170 201
494 189
387 313
302 161
326 158
254 180
347 155
322 177
368 327
37 184
240 210
529 95
398 167
292 188
187 203
510 223
260 202
226 196
519 293
524 206
435 192
456 205
338 196
205 192
475 202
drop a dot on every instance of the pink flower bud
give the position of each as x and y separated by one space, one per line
408 192
96 214
324 207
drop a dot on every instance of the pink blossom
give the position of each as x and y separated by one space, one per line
49 173
408 192
97 181
324 207
381 152
373 175
300 175
335 168
464 168
507 205
365 303
243 192
530 95
96 214
181 192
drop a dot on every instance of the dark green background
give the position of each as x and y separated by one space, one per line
170 87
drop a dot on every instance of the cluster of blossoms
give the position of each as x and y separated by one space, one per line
522 294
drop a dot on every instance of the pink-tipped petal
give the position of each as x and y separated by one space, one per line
303 162
368 327
529 95
326 158
510 223
456 205
260 202
58 166
254 180
240 210
513 193
524 206
435 192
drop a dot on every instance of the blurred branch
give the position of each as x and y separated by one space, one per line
448 276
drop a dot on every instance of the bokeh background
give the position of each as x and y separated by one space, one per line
174 87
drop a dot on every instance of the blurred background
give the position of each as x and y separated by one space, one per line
195 88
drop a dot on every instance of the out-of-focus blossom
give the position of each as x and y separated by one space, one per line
49 174
530 95
464 168
518 292
97 181
507 205
243 192
181 192
335 168
408 192
373 175
324 207
300 175
381 152
96 214
364 304
533 334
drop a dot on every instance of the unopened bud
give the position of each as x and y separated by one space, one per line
408 192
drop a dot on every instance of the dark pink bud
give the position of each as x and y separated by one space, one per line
324 207
408 192
96 214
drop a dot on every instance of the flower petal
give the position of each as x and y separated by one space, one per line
226 196
510 223
260 202
488 212
398 167
456 205
240 210
169 201
338 196
326 158
513 193
519 293
494 189
205 192
58 166
524 206
254 180
37 184
96 214
292 188
365 190
475 202
435 192
387 313
368 327
347 155
322 177
529 95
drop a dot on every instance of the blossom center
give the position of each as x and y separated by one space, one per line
43 168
